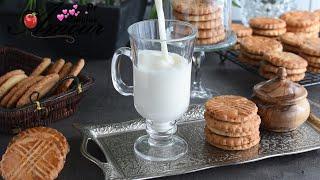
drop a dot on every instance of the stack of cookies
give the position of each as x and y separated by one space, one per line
253 47
291 42
241 32
37 153
295 65
17 89
302 22
232 123
268 27
310 50
205 15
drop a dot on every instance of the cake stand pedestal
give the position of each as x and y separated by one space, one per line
198 91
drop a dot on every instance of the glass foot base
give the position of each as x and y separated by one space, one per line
201 93
172 151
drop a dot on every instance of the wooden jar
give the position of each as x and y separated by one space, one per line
283 104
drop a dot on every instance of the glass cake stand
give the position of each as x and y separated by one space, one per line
198 91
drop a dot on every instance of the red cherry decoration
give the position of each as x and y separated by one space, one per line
30 20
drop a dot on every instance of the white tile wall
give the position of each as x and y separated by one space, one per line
301 4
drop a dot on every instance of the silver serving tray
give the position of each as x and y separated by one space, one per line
116 142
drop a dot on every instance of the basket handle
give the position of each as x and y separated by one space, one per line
75 78
36 100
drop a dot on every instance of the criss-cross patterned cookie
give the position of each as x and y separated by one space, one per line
300 18
267 23
36 155
232 129
311 46
45 133
259 45
232 143
231 108
285 59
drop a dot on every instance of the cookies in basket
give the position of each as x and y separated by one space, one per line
36 153
17 89
205 15
232 123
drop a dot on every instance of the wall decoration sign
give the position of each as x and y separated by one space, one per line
58 20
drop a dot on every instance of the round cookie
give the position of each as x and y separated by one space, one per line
195 7
45 133
295 77
288 48
210 33
267 23
310 59
266 67
313 69
285 59
242 58
271 32
311 47
208 25
292 39
316 65
232 129
232 143
299 18
231 108
241 30
32 157
204 17
317 12
259 45
251 56
213 40
309 29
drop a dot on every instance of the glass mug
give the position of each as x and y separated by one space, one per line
161 87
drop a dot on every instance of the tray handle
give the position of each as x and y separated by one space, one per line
108 169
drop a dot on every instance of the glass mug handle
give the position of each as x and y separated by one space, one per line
118 84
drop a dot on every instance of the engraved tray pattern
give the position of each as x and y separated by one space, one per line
116 141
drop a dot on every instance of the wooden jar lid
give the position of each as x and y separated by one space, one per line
280 90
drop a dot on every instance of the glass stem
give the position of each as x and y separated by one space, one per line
197 60
158 136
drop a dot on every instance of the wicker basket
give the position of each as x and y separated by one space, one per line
45 111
